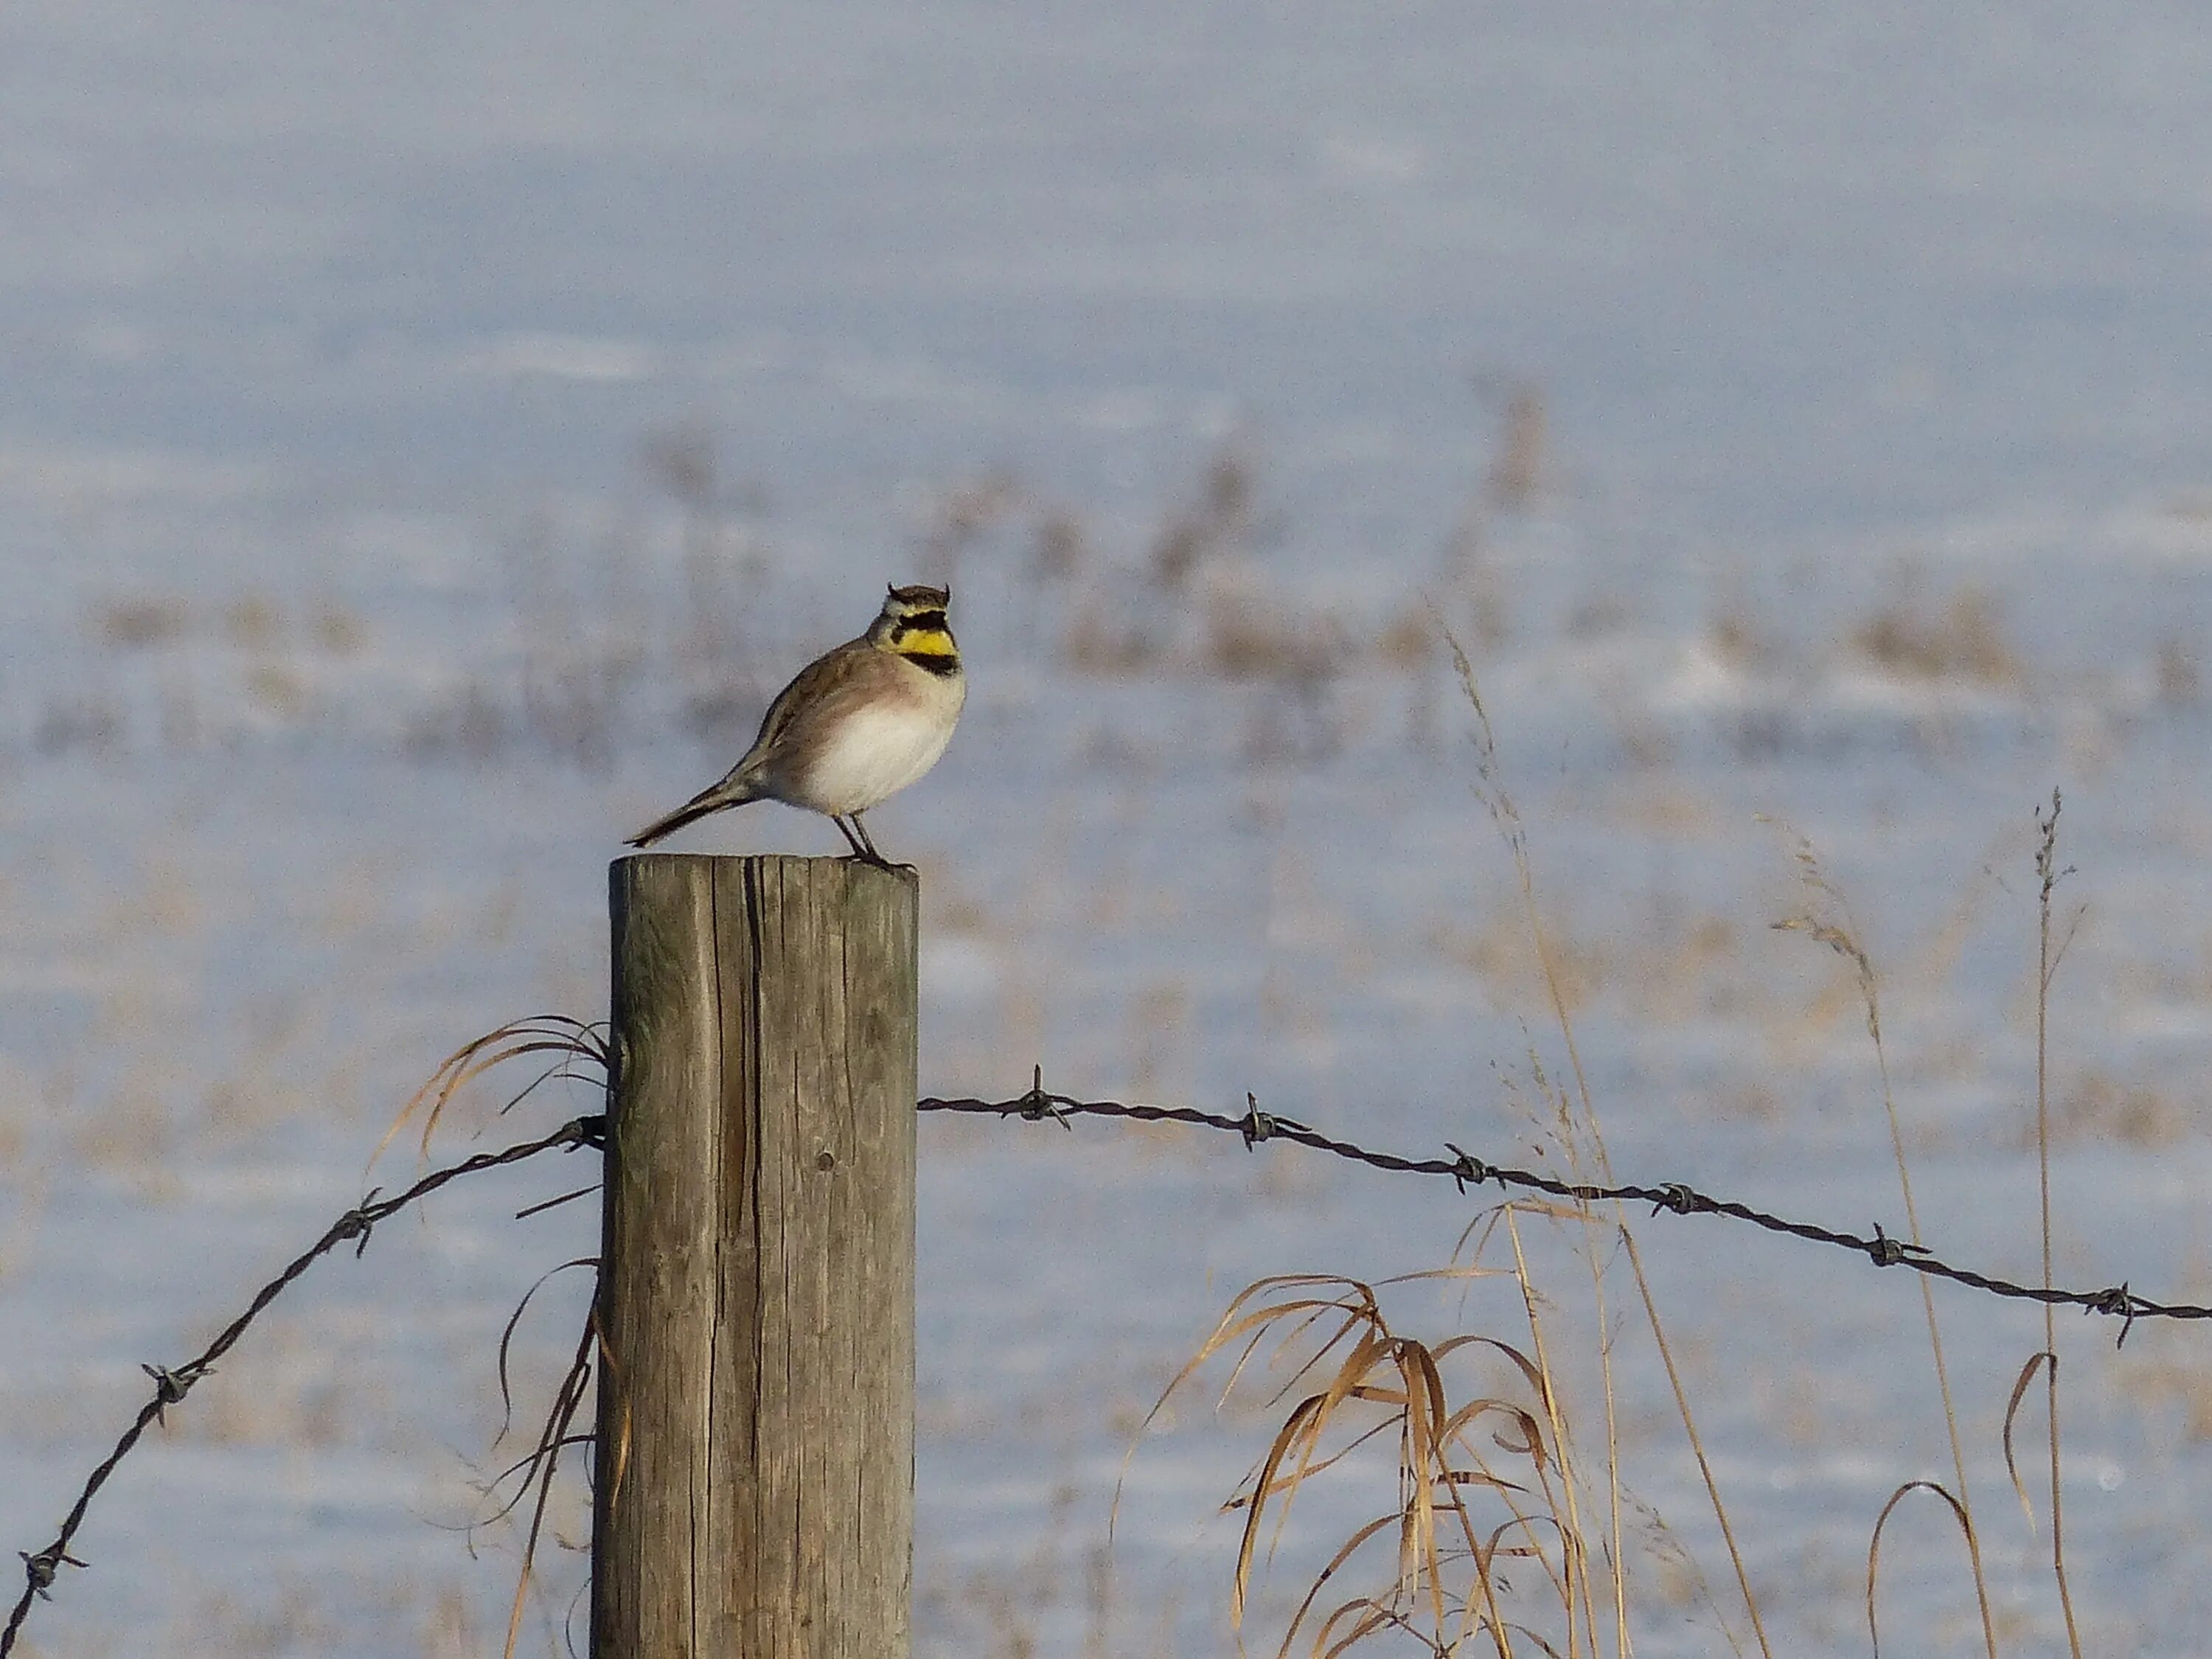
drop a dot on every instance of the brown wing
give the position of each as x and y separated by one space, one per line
824 687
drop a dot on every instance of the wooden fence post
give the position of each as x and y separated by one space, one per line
755 1455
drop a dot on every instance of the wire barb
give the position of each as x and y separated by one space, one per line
1258 1125
1888 1252
170 1386
1467 1171
1036 1105
587 1131
2117 1302
355 1223
43 1568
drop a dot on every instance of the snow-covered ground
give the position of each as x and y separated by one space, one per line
428 435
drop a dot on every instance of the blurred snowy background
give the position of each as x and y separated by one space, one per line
428 433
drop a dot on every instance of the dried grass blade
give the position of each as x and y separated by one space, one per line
541 1033
1351 1547
1874 1543
1425 1412
506 1338
1374 1616
1293 1429
2019 1388
571 1396
1288 1481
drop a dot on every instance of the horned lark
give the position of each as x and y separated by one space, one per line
856 726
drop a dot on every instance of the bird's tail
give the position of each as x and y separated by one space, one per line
727 792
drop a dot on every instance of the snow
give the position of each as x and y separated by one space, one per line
355 602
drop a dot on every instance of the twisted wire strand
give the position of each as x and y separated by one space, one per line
171 1386
1674 1198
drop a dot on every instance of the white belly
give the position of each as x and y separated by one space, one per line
872 755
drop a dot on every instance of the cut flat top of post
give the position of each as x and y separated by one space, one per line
861 867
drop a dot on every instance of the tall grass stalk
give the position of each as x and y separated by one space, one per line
1490 790
1828 921
2047 959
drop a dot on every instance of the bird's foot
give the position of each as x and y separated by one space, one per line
877 860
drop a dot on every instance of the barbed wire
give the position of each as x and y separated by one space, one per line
1672 1197
171 1386
1256 1127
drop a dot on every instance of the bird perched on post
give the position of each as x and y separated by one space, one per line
857 725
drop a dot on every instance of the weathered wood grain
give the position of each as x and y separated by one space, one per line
756 1432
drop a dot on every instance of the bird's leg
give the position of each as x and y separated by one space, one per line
851 840
870 854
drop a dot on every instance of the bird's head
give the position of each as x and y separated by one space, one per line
913 624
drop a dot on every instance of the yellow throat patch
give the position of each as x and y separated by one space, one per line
927 639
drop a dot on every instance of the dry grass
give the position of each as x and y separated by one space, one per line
137 622
450 1629
1661 967
1491 1532
1737 637
1521 471
1194 599
1480 1540
1005 1610
1202 601
168 662
555 1046
601 624
2099 1107
2175 1387
1343 1379
1962 638
308 1387
1582 1138
555 1043
1496 1525
1826 918
1220 520
2050 950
